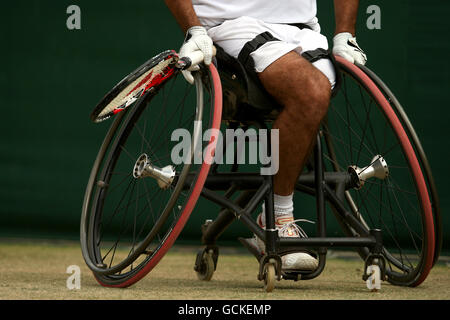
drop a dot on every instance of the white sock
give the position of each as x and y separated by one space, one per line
282 205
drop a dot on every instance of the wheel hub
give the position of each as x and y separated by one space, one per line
378 168
144 168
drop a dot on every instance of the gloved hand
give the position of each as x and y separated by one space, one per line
197 39
345 46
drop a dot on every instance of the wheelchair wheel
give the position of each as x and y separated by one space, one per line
142 189
367 134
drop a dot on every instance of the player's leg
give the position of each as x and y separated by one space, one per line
303 89
304 92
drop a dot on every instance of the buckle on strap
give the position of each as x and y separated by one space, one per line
317 54
254 45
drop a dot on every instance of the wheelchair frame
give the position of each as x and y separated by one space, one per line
325 186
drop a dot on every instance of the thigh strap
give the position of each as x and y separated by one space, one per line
251 46
310 55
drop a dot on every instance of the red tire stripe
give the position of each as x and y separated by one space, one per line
412 159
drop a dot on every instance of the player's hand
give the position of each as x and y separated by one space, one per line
345 46
197 39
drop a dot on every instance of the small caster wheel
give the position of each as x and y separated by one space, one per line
269 277
205 267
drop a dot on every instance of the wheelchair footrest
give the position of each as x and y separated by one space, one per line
251 245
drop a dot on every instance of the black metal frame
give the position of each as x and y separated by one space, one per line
255 188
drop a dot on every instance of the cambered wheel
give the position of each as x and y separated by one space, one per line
142 189
365 134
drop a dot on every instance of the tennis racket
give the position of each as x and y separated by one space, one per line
147 77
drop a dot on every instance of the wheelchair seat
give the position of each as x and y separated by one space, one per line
244 97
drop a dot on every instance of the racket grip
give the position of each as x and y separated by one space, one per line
194 59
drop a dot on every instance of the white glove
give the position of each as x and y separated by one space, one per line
345 46
197 39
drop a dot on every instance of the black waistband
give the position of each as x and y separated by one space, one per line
300 25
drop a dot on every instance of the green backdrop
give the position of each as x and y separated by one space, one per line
51 78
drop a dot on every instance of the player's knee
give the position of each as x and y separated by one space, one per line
320 97
316 95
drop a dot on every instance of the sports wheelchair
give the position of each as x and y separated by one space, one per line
368 170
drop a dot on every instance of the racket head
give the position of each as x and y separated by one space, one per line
147 77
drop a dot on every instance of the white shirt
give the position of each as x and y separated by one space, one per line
215 12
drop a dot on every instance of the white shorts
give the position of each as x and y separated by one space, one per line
232 35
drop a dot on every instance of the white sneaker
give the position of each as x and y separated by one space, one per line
288 228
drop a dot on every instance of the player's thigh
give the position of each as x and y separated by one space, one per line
292 79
